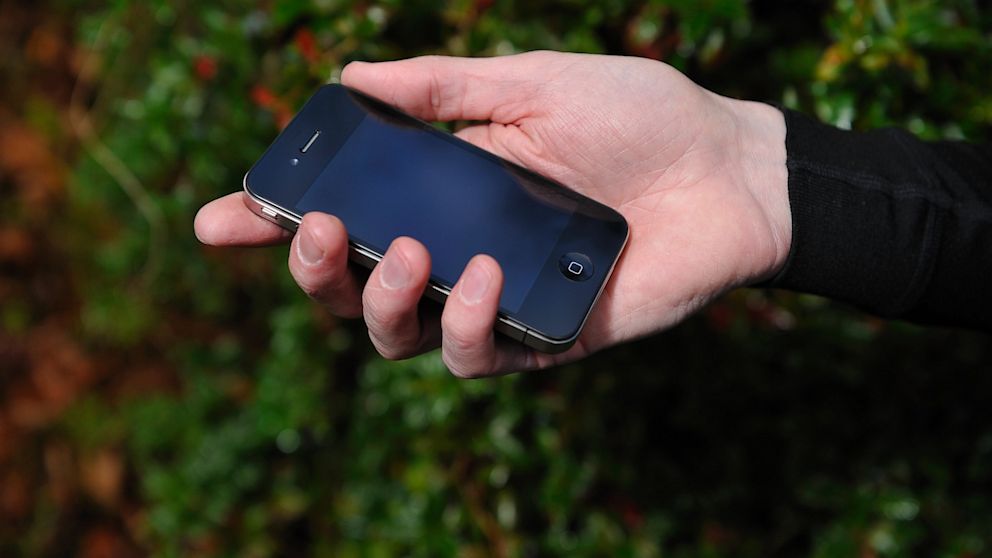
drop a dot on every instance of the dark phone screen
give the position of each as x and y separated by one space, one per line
393 178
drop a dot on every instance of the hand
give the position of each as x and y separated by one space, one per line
701 180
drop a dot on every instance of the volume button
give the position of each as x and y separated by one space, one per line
270 213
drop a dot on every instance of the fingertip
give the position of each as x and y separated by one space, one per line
326 230
404 271
320 237
320 219
415 254
490 264
481 282
352 73
216 224
203 225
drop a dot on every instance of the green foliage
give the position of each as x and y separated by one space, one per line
771 425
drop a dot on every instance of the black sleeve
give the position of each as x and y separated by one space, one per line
897 226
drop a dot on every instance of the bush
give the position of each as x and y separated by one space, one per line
203 406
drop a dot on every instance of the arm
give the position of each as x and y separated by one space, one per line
702 180
889 223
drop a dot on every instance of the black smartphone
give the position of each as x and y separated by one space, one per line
387 174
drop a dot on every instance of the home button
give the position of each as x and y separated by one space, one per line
575 266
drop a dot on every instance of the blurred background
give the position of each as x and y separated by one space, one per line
159 397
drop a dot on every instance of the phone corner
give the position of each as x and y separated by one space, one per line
251 200
549 345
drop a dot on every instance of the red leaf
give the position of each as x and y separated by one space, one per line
263 96
306 43
205 67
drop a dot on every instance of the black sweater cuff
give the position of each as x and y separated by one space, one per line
896 226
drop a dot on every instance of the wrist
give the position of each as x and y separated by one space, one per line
760 137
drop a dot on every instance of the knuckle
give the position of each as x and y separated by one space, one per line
313 282
379 316
457 337
312 289
393 350
393 330
460 369
318 286
461 352
325 290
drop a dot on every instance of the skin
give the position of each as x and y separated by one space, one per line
700 178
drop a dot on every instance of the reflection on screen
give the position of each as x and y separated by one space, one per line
388 181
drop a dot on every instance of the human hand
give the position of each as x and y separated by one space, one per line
700 178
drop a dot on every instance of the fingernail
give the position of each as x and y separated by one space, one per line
309 251
475 284
395 273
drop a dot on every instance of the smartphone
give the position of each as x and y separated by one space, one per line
387 174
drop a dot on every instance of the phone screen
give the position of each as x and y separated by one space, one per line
386 174
390 177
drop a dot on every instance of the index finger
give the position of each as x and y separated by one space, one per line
501 89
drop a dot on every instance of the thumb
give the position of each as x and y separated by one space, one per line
440 88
